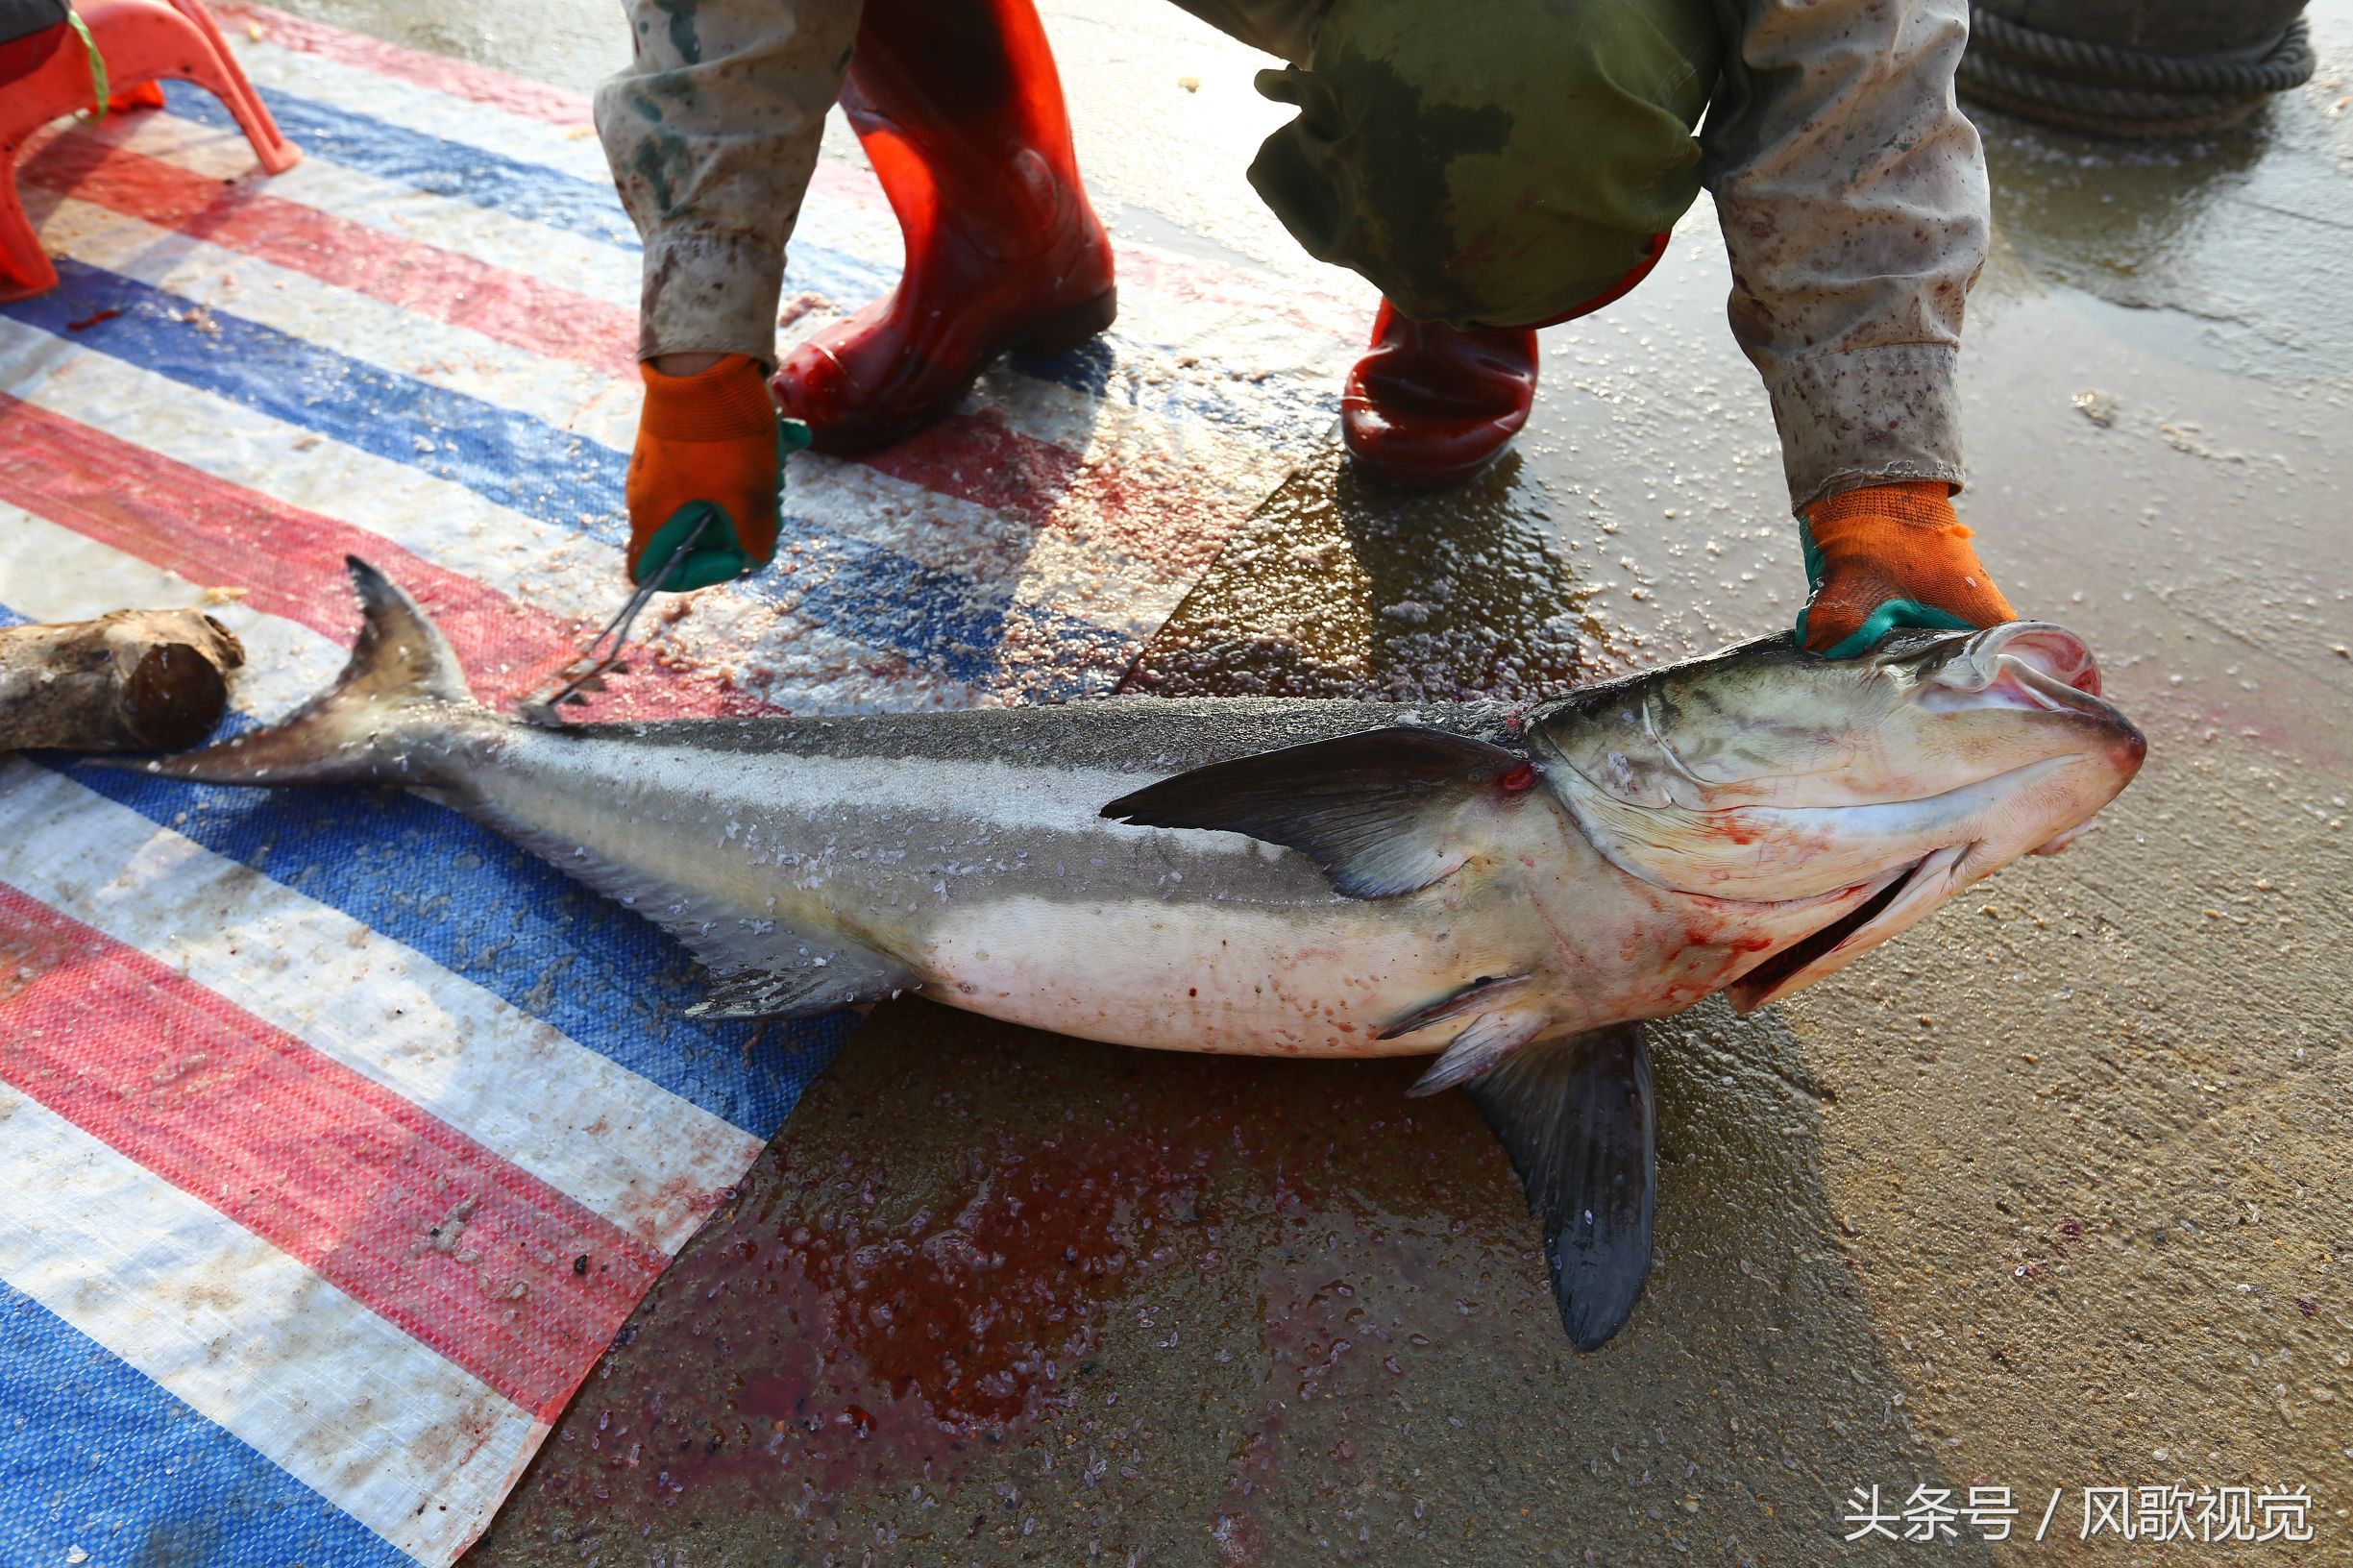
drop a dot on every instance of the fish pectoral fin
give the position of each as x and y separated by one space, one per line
821 982
1383 813
1576 1117
1482 993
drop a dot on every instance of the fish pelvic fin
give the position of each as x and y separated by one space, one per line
1496 1030
759 964
845 974
402 677
1384 812
1576 1116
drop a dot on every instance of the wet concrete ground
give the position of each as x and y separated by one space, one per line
2056 1191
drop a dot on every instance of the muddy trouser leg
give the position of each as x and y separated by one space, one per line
712 132
1484 163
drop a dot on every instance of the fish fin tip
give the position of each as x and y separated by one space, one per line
843 976
400 654
1487 1042
1577 1118
1378 811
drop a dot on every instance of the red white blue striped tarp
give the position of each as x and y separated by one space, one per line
341 1136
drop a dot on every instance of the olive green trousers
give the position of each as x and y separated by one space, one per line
1484 163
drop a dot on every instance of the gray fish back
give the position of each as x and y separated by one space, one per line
1128 734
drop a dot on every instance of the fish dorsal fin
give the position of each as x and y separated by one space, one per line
1384 812
1576 1117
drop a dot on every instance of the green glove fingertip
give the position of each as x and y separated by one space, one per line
719 554
1909 613
717 557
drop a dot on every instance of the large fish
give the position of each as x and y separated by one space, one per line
1513 889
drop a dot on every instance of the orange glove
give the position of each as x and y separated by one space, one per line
1890 555
709 449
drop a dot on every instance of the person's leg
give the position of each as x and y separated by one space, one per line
712 132
959 108
1494 166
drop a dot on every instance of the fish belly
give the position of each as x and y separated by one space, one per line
1192 976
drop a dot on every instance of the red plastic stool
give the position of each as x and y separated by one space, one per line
47 76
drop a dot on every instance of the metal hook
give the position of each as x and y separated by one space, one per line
586 673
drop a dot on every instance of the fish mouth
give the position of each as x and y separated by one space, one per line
2025 664
1898 899
2035 667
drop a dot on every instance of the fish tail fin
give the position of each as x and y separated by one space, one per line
401 680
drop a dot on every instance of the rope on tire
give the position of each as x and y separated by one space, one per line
2113 90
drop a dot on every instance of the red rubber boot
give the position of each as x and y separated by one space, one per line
960 109
1432 404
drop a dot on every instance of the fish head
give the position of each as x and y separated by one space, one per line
1822 806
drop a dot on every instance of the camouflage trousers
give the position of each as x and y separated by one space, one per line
1484 163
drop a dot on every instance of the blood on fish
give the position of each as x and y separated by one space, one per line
1519 780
